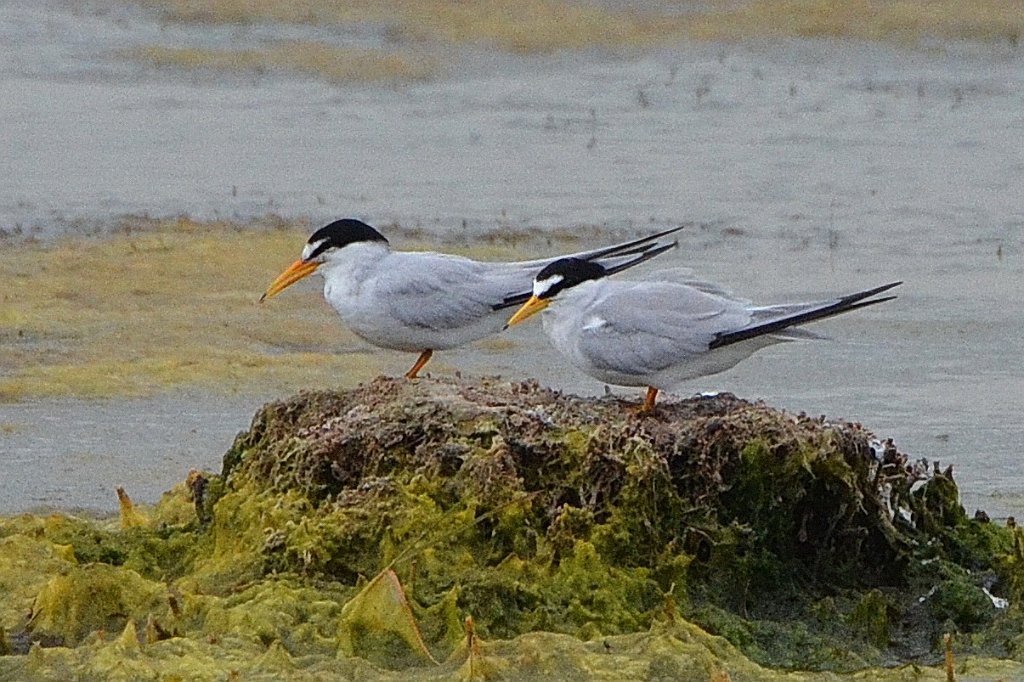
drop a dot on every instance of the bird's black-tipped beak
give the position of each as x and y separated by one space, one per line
296 271
531 307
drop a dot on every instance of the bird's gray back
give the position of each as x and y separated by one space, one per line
443 292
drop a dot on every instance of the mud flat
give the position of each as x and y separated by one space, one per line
479 529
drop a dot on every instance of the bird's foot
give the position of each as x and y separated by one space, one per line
647 406
420 362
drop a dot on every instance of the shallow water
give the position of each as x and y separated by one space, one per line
806 168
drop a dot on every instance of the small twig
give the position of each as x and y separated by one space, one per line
472 644
947 639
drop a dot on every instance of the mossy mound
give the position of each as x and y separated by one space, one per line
353 533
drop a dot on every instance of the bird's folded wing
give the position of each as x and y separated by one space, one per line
648 327
440 292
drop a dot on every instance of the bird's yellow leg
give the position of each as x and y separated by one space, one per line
652 395
423 359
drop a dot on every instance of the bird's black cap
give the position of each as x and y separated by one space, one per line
566 273
342 233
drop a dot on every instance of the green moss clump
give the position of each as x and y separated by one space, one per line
961 603
94 597
870 617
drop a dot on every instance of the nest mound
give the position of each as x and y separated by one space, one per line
811 490
753 518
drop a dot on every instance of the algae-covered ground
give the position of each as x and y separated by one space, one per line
549 25
421 33
458 529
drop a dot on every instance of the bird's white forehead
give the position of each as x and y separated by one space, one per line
543 286
310 248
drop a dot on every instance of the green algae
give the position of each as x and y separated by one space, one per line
306 58
353 534
545 26
871 618
95 597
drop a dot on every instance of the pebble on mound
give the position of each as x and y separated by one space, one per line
367 529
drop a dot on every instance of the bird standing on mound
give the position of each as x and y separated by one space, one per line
424 301
660 333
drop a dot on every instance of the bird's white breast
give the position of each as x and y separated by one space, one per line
568 316
349 288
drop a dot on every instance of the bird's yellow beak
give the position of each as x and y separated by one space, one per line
531 307
293 274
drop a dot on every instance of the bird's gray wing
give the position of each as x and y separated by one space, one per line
442 292
644 327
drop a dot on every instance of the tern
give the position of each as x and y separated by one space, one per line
659 334
424 301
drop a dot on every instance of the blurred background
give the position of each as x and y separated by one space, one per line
162 161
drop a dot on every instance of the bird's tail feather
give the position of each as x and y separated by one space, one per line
861 299
634 253
641 257
629 248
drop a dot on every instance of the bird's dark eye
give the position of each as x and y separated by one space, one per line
318 248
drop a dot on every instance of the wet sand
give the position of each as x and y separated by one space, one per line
806 168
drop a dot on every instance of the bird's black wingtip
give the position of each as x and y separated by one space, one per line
630 248
891 285
861 299
867 293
